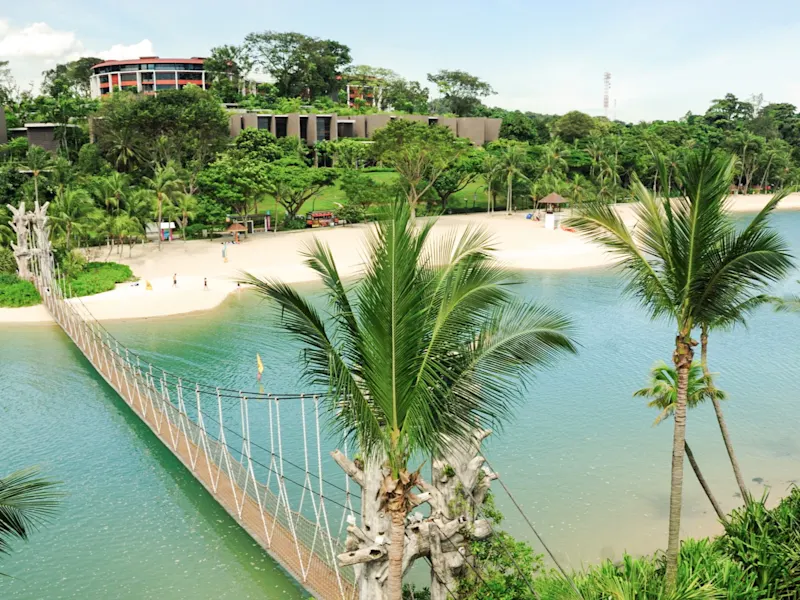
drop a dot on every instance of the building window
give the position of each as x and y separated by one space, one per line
165 77
264 122
280 126
128 77
323 128
165 86
190 76
304 127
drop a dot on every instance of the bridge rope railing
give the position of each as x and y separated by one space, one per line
301 528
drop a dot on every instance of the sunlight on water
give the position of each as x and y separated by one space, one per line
580 455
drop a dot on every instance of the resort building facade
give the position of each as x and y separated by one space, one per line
147 75
316 128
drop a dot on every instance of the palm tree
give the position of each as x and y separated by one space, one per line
111 190
513 157
182 209
123 149
71 211
580 189
431 345
164 185
663 392
37 161
684 262
26 502
491 175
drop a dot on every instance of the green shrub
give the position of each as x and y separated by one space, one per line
98 277
16 292
73 263
767 542
8 264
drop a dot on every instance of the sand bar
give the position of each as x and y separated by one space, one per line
520 244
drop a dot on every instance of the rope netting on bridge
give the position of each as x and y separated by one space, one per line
266 458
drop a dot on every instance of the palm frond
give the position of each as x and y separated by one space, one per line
26 502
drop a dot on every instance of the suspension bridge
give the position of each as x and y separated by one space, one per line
209 429
276 490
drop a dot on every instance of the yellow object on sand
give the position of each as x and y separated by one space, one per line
149 286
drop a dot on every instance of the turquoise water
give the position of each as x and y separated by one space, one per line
580 455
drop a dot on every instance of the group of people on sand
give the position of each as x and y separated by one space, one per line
175 282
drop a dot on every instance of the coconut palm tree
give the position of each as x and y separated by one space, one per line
663 393
685 262
580 189
164 185
734 298
36 163
492 175
512 158
71 211
27 501
182 209
428 346
110 191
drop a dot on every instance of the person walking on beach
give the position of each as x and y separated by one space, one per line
205 284
174 280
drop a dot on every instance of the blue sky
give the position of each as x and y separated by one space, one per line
666 58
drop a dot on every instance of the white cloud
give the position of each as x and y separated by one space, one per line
37 40
37 47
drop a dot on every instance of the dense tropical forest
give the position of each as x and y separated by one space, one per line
170 156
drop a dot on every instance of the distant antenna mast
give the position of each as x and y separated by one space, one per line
606 90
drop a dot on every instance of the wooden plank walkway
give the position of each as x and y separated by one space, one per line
205 458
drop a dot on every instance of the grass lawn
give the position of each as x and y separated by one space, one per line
474 195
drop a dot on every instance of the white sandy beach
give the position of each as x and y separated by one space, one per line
520 243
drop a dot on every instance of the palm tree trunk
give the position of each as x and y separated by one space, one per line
396 554
36 187
683 362
508 195
723 427
704 483
766 174
158 225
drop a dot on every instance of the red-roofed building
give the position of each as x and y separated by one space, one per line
147 75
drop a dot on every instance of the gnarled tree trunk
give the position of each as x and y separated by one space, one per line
460 483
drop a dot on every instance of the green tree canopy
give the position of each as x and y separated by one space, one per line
573 126
302 66
292 183
418 152
461 92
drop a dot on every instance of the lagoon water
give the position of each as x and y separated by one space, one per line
580 456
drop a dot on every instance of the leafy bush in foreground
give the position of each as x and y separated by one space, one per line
16 292
767 542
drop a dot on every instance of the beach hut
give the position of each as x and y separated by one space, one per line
235 229
552 203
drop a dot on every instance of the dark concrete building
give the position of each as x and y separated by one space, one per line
37 134
316 128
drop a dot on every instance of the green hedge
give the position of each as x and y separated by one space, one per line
16 292
98 277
